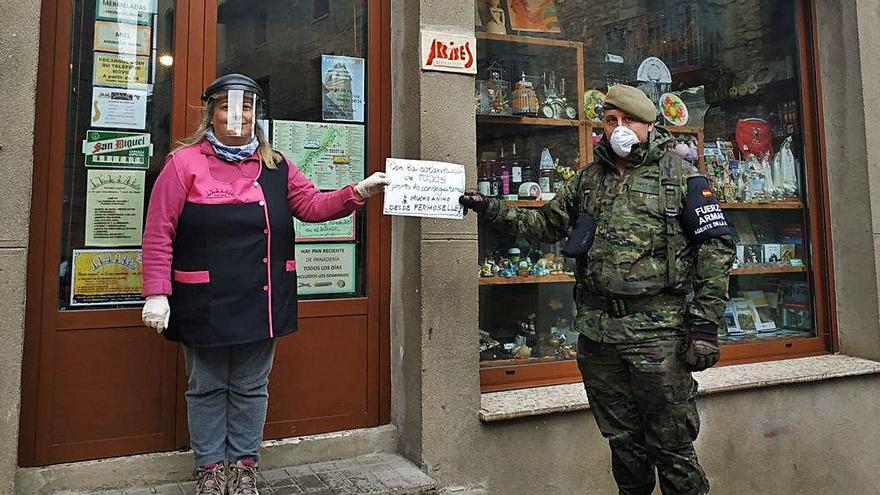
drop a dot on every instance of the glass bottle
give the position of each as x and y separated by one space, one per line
483 178
504 175
494 181
516 171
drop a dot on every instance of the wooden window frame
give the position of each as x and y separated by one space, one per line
508 377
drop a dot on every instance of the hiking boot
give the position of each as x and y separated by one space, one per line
211 480
242 478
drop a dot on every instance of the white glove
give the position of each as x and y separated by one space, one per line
373 184
156 312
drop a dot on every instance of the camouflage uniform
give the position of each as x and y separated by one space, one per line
633 311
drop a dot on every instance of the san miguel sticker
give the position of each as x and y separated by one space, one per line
117 149
448 52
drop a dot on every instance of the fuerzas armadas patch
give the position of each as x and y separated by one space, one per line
702 218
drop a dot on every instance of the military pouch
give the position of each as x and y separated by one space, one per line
581 238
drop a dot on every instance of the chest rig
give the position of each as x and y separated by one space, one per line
670 187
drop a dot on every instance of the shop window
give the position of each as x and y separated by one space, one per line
315 112
118 133
726 77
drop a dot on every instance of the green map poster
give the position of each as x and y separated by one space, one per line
331 155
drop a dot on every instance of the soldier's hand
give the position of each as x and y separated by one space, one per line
474 200
702 354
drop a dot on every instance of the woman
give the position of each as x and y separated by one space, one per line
220 273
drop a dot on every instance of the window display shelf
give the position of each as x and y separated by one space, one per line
546 279
767 270
766 205
532 40
535 121
497 363
526 203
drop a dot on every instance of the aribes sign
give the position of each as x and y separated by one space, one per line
448 52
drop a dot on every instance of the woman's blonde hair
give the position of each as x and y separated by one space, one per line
264 149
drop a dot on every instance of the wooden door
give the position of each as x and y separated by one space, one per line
96 383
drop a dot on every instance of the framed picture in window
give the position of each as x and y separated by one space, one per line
533 15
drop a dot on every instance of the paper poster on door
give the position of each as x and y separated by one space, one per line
119 37
119 70
342 86
325 268
119 108
134 11
114 207
330 155
341 229
101 277
117 149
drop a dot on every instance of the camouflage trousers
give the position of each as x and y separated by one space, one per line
644 402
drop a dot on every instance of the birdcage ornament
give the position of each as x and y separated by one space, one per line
493 94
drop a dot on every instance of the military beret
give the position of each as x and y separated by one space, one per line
632 101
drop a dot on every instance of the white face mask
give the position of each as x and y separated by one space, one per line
622 141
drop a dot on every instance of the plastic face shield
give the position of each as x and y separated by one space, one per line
243 108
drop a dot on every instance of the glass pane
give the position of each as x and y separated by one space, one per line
118 133
725 76
310 59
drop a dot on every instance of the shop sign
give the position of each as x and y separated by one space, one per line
117 149
122 38
134 11
114 207
325 268
448 52
424 189
125 71
101 277
341 229
120 108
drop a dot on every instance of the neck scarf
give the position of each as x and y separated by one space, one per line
233 154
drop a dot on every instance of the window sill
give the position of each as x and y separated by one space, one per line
511 404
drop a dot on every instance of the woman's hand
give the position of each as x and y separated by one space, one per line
373 184
156 313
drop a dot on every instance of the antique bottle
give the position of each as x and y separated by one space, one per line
483 177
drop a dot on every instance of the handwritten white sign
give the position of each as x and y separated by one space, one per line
424 189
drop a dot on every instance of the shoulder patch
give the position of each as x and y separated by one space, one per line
702 218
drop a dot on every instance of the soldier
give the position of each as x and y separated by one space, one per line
645 231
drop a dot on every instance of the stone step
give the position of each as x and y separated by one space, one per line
463 490
374 474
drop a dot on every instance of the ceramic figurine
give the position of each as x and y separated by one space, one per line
540 269
524 268
568 352
755 184
521 352
789 169
507 269
487 269
496 23
514 254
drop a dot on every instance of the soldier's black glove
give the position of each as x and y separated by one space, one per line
474 200
701 354
702 350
